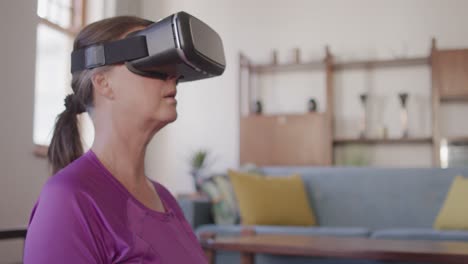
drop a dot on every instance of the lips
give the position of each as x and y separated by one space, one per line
171 94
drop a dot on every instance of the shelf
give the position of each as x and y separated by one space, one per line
279 115
389 141
321 65
454 99
264 68
364 64
456 140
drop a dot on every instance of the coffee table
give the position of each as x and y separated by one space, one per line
334 247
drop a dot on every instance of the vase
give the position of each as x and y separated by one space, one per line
197 179
363 124
258 107
404 114
312 105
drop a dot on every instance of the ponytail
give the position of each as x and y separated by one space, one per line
66 145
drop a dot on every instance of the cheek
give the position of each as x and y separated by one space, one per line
136 93
150 98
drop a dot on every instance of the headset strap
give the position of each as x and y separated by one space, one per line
109 53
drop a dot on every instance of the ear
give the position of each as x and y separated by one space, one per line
102 85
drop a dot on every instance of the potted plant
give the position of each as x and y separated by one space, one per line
198 162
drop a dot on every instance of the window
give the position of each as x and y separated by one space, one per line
59 21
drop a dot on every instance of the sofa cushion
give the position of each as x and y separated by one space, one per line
224 208
376 198
454 213
265 200
420 234
235 230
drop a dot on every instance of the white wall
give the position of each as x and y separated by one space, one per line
208 112
22 174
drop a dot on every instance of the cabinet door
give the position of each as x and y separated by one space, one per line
453 70
287 140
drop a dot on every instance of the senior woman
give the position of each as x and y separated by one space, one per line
100 207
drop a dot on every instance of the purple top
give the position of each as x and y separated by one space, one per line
85 215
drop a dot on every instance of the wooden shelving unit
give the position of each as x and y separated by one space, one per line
448 84
291 139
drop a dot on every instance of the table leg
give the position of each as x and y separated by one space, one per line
207 238
247 258
210 256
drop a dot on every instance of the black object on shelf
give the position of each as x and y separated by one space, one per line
312 105
258 107
404 113
363 124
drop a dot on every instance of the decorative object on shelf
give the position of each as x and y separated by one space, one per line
198 162
312 105
404 113
383 132
297 55
274 57
363 127
354 156
258 107
454 152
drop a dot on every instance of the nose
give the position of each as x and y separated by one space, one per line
173 78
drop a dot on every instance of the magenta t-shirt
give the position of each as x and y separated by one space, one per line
85 215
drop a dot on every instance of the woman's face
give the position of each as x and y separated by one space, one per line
139 98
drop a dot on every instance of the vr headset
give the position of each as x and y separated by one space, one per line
180 45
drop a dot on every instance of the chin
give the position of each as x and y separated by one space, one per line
173 118
169 118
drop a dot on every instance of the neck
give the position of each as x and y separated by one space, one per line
122 148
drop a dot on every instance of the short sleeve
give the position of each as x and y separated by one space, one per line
63 228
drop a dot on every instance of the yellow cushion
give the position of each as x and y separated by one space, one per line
265 200
454 212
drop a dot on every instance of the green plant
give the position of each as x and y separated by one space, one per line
198 160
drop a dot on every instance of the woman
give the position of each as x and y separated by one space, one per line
100 207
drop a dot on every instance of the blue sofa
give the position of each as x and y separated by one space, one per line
376 203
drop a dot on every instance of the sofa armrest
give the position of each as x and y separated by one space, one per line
197 210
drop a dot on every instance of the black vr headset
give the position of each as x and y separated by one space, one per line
179 45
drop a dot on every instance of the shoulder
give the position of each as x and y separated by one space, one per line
79 177
75 194
69 180
68 186
66 210
79 186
